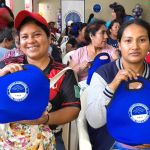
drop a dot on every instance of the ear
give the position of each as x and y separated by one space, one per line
91 36
4 43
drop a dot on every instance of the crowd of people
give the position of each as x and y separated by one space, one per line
125 41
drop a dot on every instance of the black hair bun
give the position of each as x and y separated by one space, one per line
113 5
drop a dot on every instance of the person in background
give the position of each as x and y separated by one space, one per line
71 46
54 50
112 33
118 13
6 41
15 51
77 31
6 16
96 37
134 43
34 42
91 18
52 27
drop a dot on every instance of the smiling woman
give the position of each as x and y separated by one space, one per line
63 101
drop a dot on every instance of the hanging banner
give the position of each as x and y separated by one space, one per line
72 10
29 5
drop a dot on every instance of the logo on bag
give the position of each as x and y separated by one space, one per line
18 91
139 113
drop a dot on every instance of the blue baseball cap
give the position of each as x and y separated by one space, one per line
24 95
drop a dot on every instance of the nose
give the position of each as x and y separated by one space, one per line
135 44
105 35
31 39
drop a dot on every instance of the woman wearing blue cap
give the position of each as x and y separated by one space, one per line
34 42
134 44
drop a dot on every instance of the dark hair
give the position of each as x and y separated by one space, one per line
92 28
76 28
90 17
139 22
72 41
6 33
119 10
30 19
111 24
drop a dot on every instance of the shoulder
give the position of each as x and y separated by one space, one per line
58 66
108 71
81 49
127 18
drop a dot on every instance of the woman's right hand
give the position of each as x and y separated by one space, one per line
11 68
122 75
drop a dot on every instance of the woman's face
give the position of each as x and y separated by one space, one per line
114 29
34 41
100 38
113 15
134 44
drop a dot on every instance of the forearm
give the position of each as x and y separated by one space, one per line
63 115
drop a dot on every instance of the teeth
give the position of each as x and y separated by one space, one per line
31 48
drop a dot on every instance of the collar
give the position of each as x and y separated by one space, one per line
146 68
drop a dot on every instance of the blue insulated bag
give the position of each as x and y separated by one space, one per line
128 114
98 62
24 95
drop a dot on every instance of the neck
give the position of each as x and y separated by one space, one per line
40 63
138 67
113 37
93 51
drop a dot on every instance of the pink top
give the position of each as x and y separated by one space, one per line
80 59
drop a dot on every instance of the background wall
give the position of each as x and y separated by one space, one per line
106 12
18 5
49 9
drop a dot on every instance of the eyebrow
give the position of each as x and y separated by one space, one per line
32 32
138 37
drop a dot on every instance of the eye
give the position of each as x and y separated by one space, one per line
24 37
142 40
128 41
37 34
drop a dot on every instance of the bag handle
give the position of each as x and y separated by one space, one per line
139 82
54 79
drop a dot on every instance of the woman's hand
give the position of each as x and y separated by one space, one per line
122 75
42 120
143 146
11 68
